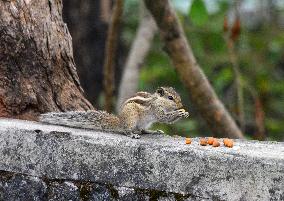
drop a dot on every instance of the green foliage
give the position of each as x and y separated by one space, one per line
198 13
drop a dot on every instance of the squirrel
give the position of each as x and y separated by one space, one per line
136 115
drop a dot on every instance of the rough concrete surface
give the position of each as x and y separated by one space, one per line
251 170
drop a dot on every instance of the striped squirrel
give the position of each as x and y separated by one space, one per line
136 115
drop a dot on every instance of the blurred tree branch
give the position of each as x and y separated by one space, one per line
139 49
231 36
203 96
259 114
111 45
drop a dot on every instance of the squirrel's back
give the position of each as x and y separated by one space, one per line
98 120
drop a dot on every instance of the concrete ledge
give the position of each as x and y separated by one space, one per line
251 170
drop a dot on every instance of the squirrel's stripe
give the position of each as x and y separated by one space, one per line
139 100
143 94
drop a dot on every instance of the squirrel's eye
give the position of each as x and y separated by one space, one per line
170 97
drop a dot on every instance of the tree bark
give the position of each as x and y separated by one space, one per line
139 50
37 70
111 45
202 94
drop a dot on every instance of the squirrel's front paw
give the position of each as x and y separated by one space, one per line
182 113
185 115
156 132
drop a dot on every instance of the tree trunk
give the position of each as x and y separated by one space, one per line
88 23
139 50
37 70
110 53
202 94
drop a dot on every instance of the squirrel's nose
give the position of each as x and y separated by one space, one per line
180 106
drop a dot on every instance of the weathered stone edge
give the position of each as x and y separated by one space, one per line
74 154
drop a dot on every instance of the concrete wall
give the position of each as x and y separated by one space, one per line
46 162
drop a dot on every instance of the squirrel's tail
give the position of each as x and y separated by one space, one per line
98 120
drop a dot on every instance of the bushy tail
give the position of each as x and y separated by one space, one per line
98 120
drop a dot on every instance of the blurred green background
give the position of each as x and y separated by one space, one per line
259 50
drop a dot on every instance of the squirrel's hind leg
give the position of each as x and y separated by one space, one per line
159 132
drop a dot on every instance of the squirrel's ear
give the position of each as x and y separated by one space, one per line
160 91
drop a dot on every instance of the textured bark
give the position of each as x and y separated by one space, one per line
111 45
139 50
203 96
37 70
